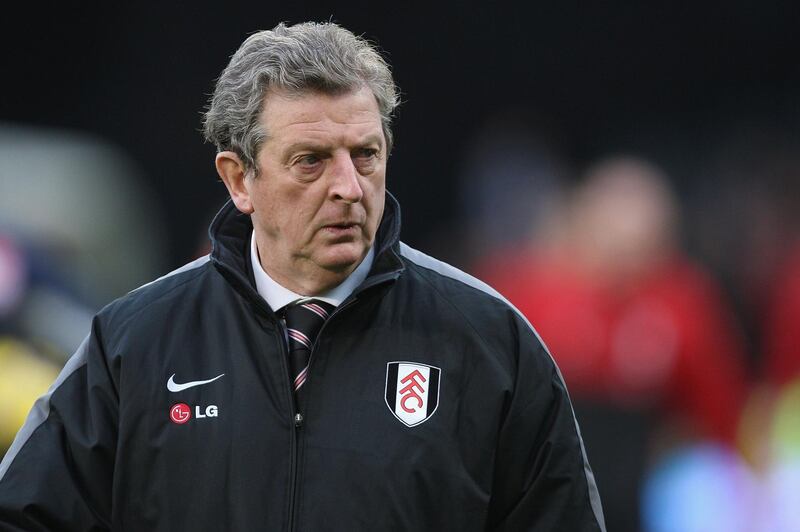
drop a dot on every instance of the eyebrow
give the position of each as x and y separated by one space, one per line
317 147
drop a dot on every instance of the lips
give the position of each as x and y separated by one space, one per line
346 230
341 225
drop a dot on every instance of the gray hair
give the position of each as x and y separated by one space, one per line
307 57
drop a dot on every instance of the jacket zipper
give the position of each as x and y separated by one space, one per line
298 419
295 426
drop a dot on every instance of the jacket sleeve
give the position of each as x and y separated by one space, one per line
58 473
542 480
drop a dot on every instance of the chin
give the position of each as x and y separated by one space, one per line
343 257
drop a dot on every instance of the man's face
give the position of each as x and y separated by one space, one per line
319 195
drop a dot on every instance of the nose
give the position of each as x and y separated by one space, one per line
345 184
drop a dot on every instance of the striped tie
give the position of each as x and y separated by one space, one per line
304 319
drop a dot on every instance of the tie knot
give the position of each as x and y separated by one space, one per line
304 319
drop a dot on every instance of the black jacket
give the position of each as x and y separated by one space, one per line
491 444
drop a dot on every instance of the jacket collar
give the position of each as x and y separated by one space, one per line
230 248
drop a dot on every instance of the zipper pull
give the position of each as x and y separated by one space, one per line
298 420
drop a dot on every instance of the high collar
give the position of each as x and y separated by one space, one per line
230 249
278 296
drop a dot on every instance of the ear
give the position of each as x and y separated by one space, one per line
232 171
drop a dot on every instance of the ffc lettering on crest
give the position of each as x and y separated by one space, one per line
412 391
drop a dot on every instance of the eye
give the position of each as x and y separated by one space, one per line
365 154
309 162
365 159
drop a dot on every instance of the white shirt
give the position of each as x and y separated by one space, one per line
278 296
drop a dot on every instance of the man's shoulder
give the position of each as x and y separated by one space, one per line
473 297
448 278
470 300
164 290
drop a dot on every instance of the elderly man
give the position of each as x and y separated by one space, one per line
313 372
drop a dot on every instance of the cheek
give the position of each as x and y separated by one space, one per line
375 196
303 213
280 210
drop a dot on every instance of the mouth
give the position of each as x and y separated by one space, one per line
341 229
342 224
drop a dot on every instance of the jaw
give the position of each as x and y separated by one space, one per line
326 268
340 257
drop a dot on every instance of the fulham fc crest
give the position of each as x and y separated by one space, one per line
412 391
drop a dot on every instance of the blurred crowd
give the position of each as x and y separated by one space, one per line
683 367
77 229
674 315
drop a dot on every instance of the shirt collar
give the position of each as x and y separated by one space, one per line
278 296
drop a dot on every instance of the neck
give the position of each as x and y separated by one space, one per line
304 277
313 284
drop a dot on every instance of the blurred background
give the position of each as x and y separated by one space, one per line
628 176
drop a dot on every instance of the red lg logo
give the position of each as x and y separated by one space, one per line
180 413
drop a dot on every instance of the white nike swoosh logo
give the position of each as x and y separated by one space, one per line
176 387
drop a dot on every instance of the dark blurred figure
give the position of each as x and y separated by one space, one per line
782 324
510 184
776 293
745 214
646 344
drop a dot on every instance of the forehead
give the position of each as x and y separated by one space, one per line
318 116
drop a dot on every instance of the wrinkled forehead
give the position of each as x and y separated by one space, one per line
318 114
312 85
312 91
